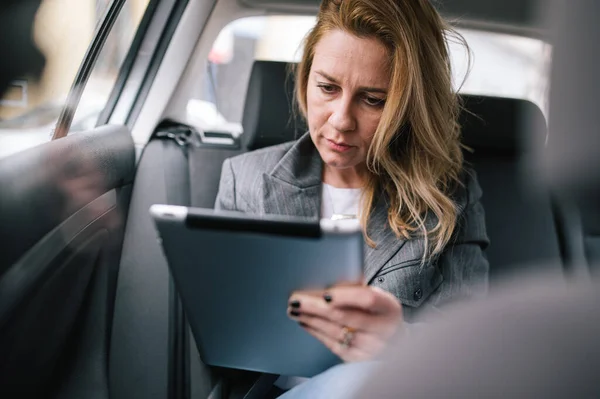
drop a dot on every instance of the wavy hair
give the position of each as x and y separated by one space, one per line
415 158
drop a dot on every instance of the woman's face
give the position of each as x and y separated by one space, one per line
347 89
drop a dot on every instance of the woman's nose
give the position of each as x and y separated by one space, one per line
342 117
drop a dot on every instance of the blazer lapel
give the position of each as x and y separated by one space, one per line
294 186
387 244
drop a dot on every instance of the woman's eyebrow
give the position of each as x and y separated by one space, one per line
324 75
362 88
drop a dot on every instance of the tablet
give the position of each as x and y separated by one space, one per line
235 273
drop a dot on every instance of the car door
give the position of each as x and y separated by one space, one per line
64 205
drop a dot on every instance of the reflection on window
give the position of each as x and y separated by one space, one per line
63 30
44 115
502 65
106 69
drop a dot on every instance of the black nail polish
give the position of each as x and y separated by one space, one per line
302 324
294 313
295 304
327 298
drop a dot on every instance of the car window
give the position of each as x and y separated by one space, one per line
501 65
42 115
63 30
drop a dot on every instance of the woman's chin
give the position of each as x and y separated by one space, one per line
339 163
338 160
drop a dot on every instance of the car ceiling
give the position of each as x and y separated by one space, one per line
507 14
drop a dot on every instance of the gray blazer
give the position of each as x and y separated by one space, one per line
286 180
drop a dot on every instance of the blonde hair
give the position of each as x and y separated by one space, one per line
415 158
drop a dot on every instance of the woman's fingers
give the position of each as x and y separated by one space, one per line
369 299
309 303
350 353
333 330
317 308
373 315
333 302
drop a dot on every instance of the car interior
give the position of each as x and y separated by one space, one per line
88 308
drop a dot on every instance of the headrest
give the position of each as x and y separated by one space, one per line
501 125
269 118
489 124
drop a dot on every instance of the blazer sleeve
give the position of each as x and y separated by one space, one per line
463 263
226 193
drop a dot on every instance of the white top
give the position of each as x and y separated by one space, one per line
339 201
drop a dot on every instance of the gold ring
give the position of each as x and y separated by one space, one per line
348 333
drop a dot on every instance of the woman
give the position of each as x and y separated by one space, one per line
374 85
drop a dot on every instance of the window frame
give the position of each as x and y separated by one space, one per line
139 67
152 35
85 69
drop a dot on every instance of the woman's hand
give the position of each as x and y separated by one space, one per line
354 321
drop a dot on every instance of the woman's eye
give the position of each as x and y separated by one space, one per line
374 101
325 88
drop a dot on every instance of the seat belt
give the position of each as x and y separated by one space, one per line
177 184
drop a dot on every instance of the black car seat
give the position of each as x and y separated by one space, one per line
580 235
520 220
148 341
590 221
267 120
269 116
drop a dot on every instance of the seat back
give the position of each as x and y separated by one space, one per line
581 224
149 352
591 237
519 220
268 119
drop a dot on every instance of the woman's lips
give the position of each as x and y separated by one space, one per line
339 147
